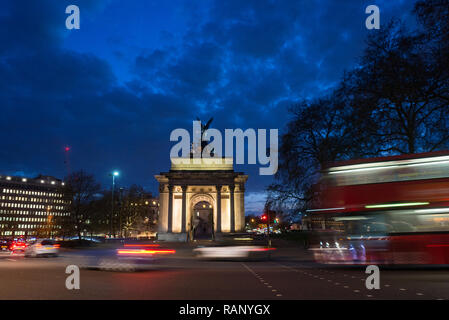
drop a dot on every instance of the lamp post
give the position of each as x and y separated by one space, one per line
49 222
113 174
120 212
268 217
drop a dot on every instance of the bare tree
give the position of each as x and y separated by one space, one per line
397 88
81 187
318 133
395 101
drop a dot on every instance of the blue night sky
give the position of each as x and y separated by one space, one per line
115 89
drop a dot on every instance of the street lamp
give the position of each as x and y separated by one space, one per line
113 174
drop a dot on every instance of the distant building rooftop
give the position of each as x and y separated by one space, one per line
39 180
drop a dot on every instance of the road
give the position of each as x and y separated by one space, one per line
289 275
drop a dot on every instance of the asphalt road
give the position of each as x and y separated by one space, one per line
289 275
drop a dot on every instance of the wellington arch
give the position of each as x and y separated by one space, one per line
200 199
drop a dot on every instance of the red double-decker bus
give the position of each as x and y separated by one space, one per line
390 210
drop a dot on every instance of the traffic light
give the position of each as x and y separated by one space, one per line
264 217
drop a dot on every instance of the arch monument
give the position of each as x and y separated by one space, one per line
200 199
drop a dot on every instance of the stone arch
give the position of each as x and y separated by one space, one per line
194 200
202 197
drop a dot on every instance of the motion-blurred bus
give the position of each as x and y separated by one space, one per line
391 210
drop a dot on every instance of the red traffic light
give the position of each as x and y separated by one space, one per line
264 217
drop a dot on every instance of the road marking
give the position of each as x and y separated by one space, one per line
419 294
323 278
260 278
402 289
11 259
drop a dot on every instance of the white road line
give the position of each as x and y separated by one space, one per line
261 279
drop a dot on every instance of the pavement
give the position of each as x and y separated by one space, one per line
290 274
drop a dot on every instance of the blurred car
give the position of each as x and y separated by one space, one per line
129 257
5 244
17 246
42 247
233 252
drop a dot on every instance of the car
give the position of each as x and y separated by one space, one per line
17 246
129 257
42 247
5 244
233 252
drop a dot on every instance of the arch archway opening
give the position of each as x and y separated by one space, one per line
202 221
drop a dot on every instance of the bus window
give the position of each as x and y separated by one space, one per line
365 225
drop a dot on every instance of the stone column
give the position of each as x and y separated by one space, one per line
184 199
218 208
170 209
231 189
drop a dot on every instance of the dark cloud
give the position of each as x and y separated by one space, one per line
242 62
